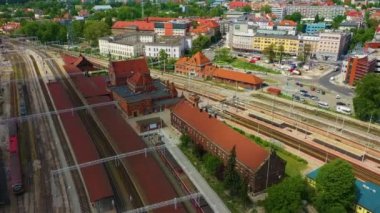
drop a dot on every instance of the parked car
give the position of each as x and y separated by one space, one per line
344 110
337 96
314 98
323 105
303 91
318 91
339 103
306 95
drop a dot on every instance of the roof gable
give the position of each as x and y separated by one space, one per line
128 67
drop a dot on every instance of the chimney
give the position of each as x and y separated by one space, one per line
215 115
200 110
206 109
209 115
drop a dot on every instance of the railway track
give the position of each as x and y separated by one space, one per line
372 153
81 191
121 183
360 172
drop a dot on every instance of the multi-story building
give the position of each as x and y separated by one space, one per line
260 168
290 43
278 11
356 67
125 46
143 43
241 36
332 45
309 11
193 66
136 92
172 28
288 25
173 46
312 28
308 43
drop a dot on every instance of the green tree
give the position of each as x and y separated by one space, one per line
223 55
286 197
77 29
266 9
93 30
269 53
216 11
335 187
316 18
232 179
367 98
280 51
294 17
200 43
305 53
108 20
247 9
185 140
337 21
163 58
211 163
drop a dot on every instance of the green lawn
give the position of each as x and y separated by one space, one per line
293 167
242 64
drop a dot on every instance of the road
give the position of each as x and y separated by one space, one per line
325 82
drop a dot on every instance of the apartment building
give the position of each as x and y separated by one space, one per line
308 11
290 43
174 46
332 45
308 41
312 28
172 28
288 25
356 67
125 46
278 11
241 36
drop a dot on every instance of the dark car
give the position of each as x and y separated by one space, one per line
306 95
303 91
341 104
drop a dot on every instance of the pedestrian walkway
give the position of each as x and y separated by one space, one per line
171 139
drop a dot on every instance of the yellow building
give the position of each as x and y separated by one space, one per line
290 43
367 197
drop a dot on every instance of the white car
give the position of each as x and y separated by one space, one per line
343 109
323 105
337 96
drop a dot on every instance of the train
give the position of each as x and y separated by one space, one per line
15 166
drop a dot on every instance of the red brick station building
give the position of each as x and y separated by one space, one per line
136 91
260 168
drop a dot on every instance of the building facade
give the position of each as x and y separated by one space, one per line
193 66
240 36
259 168
309 11
308 43
290 43
356 67
312 28
172 28
332 45
173 46
125 46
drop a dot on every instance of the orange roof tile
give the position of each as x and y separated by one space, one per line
288 23
237 76
237 4
247 152
128 67
140 25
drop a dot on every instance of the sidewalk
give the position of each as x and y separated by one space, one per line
171 138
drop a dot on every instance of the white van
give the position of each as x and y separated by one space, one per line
323 104
343 109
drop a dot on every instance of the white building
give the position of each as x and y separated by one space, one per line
173 46
125 46
278 11
332 45
241 36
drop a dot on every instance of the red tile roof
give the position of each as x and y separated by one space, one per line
247 152
140 25
354 13
159 19
198 59
288 23
236 76
95 177
151 180
237 4
128 67
69 59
